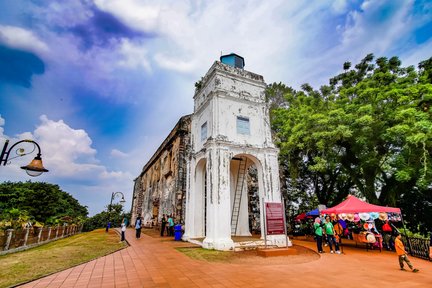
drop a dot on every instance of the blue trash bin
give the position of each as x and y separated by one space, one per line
177 232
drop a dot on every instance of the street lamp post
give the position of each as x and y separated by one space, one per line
122 201
35 168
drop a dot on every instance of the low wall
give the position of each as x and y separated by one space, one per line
16 240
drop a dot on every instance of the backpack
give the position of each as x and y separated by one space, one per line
386 228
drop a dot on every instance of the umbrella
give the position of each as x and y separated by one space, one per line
314 212
299 217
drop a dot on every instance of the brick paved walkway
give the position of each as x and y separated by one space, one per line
150 262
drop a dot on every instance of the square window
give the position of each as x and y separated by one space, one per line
243 125
204 132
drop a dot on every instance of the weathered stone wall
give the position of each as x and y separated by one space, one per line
160 188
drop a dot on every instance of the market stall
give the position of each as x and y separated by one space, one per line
363 215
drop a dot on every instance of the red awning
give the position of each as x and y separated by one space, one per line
300 217
354 205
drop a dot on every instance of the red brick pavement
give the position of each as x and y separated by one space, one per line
150 262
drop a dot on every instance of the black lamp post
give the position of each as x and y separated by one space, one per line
35 168
122 201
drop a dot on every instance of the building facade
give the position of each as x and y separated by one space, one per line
230 148
161 186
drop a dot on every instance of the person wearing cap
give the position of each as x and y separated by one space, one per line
318 234
329 231
402 254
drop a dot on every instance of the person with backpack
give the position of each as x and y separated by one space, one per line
170 225
138 224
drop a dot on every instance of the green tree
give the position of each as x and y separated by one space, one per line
100 220
14 219
46 203
369 132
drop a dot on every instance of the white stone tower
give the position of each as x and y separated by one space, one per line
230 131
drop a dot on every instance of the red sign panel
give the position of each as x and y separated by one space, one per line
274 218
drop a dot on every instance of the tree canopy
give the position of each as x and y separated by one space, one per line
369 133
39 201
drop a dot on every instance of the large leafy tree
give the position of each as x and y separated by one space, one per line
115 216
369 132
44 202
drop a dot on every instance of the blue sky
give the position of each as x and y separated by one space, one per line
100 83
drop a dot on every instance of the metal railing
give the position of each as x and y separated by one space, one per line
417 247
17 240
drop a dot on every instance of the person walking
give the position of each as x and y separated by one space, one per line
170 225
163 224
400 251
123 229
329 231
318 234
108 226
138 224
338 229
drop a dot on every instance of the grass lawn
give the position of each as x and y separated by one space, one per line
207 255
55 256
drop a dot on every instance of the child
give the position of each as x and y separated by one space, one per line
400 250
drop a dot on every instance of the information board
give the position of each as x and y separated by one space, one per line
274 218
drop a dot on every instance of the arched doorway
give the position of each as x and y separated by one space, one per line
245 195
200 219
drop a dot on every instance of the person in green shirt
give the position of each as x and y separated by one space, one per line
329 231
318 234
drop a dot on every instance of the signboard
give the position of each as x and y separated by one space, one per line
274 218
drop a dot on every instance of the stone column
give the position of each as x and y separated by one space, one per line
39 235
8 238
49 233
218 202
188 212
26 236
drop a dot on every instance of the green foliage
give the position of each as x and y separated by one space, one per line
14 218
369 132
100 220
41 202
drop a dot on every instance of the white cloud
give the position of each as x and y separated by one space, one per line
339 6
293 42
140 15
175 64
115 175
423 52
134 55
118 154
19 38
2 123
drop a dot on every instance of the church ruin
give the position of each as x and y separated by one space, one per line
218 165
